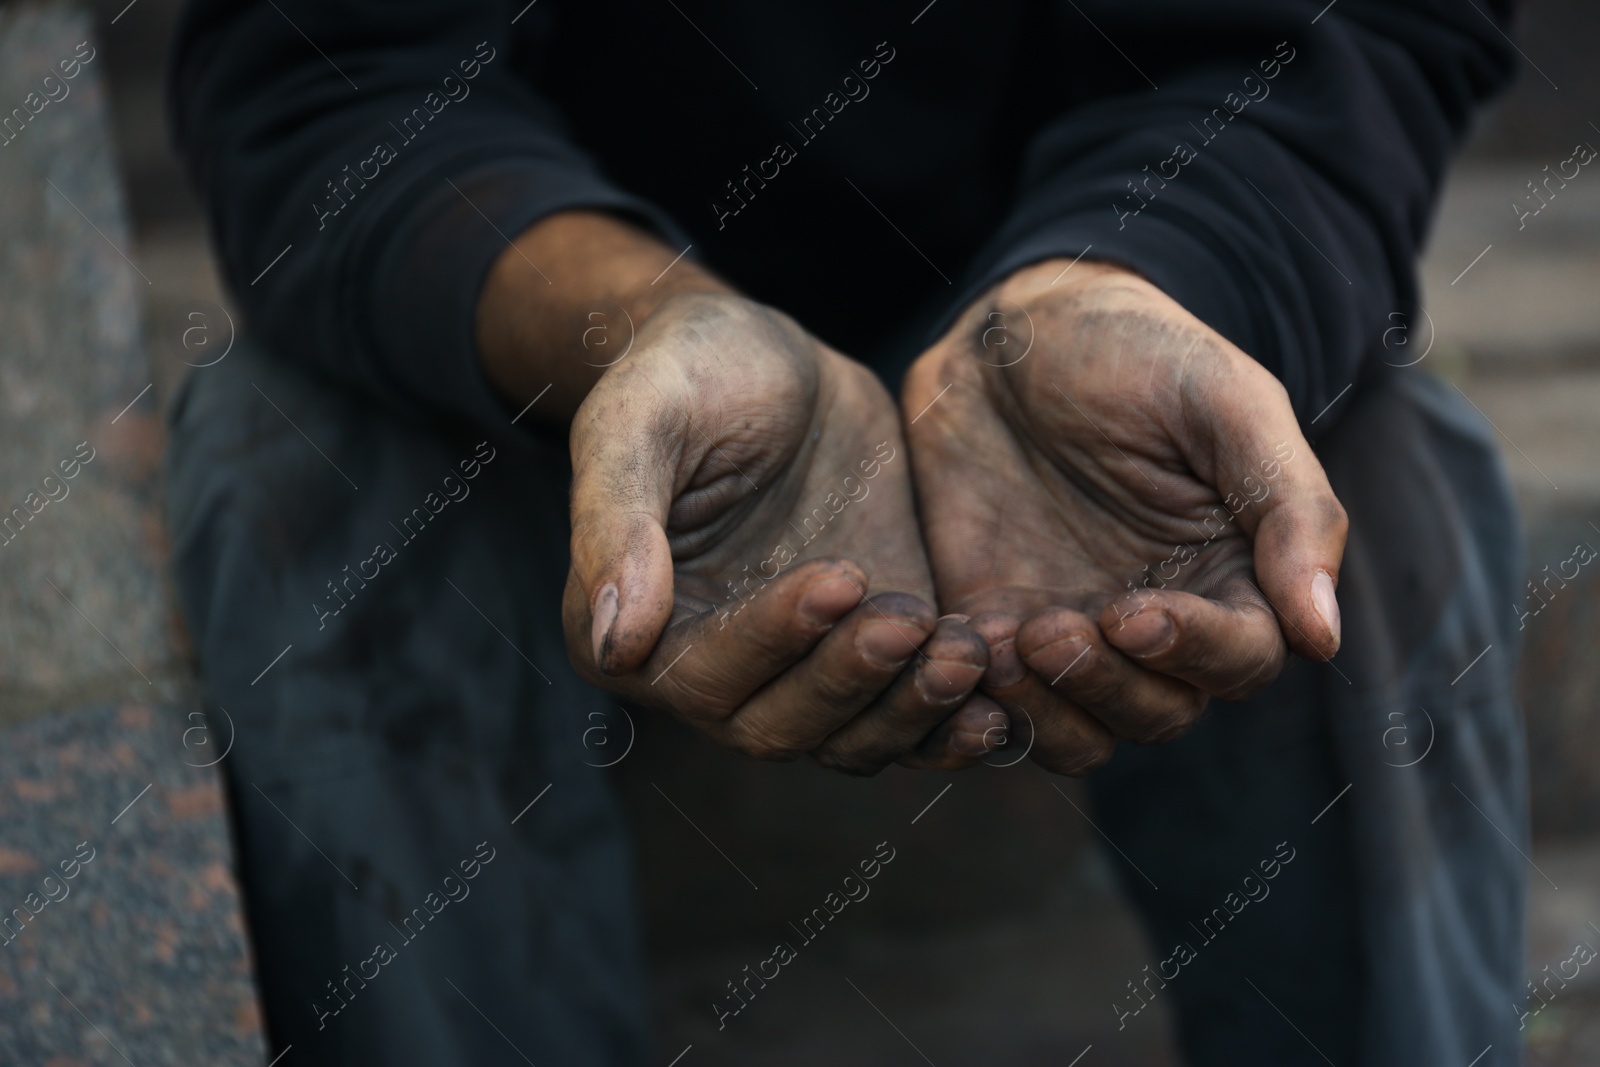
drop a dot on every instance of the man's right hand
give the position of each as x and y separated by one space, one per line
738 488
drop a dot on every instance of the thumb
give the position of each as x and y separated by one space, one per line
626 450
1271 480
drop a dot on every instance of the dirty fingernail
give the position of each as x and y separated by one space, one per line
826 602
1326 603
1071 653
1145 634
965 744
976 736
605 616
1005 666
886 643
946 680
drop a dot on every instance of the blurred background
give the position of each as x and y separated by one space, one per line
996 934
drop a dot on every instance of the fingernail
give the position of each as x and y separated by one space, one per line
1005 666
965 744
979 737
1145 634
605 616
1074 649
1326 603
958 617
886 643
946 680
827 601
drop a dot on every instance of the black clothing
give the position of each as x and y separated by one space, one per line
989 136
930 149
400 731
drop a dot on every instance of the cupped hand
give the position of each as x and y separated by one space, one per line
738 489
1124 504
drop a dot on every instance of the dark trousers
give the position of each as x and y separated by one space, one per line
408 906
1396 776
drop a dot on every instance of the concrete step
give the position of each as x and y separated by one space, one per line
1530 301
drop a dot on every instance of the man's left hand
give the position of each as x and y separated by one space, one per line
1123 502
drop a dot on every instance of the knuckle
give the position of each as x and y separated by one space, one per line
923 380
1331 514
1097 684
1173 723
696 699
761 639
1089 762
1087 756
842 690
762 744
847 760
1265 673
770 753
1160 732
908 719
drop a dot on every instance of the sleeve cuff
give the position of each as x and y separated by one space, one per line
429 270
1200 277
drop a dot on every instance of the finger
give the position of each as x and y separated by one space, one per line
978 729
1064 738
848 669
930 690
1283 501
626 449
707 664
1068 650
1228 644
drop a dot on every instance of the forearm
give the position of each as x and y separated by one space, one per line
564 301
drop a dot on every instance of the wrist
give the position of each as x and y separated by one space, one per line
564 301
1058 275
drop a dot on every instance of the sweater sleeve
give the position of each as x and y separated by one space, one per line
1270 164
363 166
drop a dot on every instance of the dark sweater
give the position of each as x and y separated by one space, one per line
1272 164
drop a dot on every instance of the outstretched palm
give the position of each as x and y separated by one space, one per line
738 487
1102 479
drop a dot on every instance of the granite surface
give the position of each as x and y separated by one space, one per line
141 953
121 938
82 614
